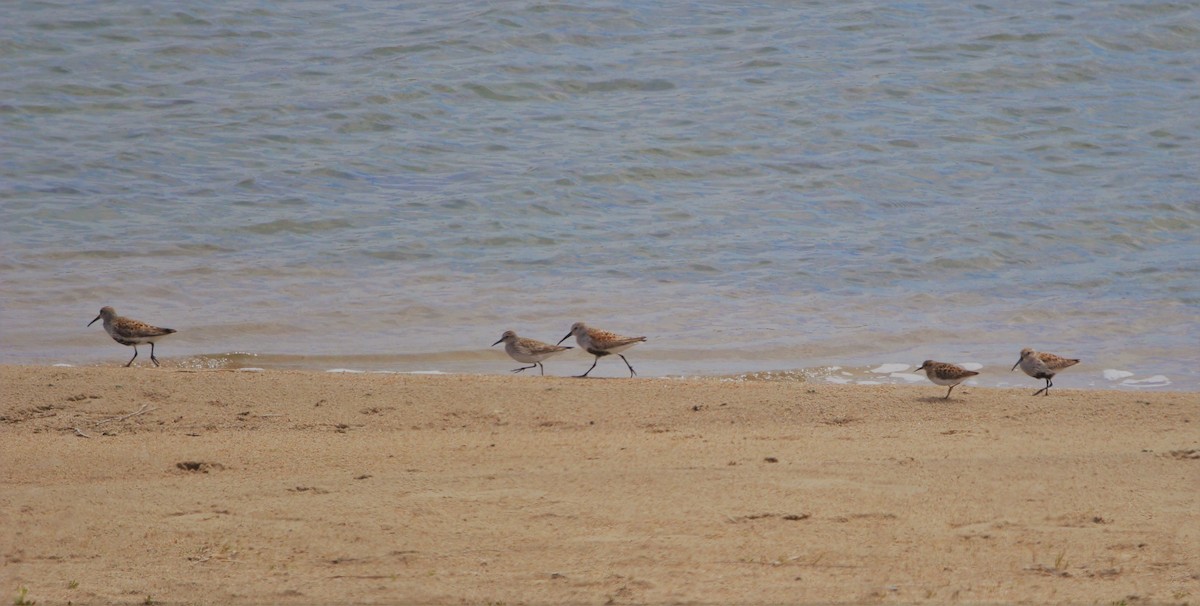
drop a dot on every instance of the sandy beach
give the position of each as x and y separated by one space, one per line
146 485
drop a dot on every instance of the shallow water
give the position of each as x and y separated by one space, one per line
756 187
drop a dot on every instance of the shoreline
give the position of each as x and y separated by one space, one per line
1087 376
307 486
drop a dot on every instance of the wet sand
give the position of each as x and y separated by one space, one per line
127 485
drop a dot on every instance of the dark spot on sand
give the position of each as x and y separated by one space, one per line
199 466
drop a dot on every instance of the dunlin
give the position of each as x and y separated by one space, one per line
128 331
601 343
528 351
944 373
1042 366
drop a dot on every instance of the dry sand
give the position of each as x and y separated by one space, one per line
308 487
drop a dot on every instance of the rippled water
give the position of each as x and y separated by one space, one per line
757 187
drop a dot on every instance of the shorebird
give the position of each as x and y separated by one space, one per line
1042 366
601 343
528 351
128 331
944 373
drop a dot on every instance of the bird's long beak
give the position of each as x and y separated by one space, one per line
498 342
1017 364
93 321
563 339
921 367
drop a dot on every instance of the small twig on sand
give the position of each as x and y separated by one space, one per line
135 413
79 432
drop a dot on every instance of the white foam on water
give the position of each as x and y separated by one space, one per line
346 371
423 372
838 380
60 365
1155 381
971 365
907 376
251 369
887 369
869 383
1116 375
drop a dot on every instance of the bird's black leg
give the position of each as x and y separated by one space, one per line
950 390
133 358
524 367
1046 388
631 371
590 369
543 368
1049 384
152 358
